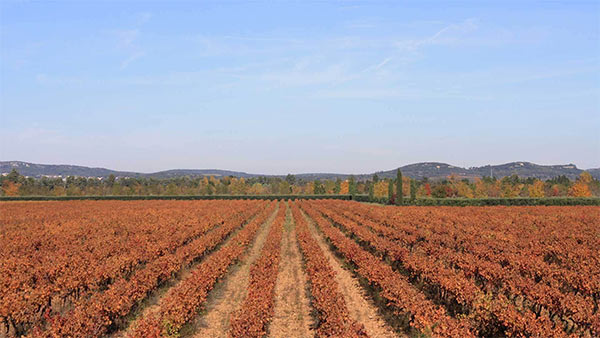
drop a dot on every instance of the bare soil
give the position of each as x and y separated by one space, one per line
228 295
292 316
361 307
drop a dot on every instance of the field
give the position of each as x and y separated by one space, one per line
216 268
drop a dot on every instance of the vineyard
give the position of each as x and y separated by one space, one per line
303 268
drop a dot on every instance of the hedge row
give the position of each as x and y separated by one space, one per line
173 197
461 202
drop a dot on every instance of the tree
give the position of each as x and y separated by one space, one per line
440 191
463 189
371 191
291 179
344 188
427 189
380 189
10 188
237 186
318 188
480 188
329 186
413 190
375 178
585 177
256 189
352 186
536 189
391 191
111 180
580 189
13 176
399 192
338 187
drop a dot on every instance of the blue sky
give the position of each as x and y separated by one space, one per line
279 87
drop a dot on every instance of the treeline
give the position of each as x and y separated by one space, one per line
14 184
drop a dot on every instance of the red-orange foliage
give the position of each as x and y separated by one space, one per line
525 253
255 314
11 188
183 301
396 289
334 318
580 189
79 268
81 248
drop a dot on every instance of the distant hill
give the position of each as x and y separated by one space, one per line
198 172
433 170
523 169
62 170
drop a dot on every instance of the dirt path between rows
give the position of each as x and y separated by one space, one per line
151 304
292 316
359 304
228 295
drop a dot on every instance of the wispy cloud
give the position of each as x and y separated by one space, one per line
127 39
450 34
404 93
303 74
133 57
377 66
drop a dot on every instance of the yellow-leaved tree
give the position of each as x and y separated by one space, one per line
380 189
256 189
581 187
536 189
511 190
344 188
237 186
481 190
464 190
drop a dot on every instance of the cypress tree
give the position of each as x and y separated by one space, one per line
352 185
399 187
390 190
371 191
413 190
338 187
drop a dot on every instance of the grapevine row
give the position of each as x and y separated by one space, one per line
396 289
544 250
333 316
570 307
453 285
256 312
184 300
95 315
44 273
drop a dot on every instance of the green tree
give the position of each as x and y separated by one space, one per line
338 187
13 176
318 187
352 185
399 197
291 179
371 191
390 191
111 180
413 190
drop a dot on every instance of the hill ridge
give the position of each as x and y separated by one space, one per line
416 170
